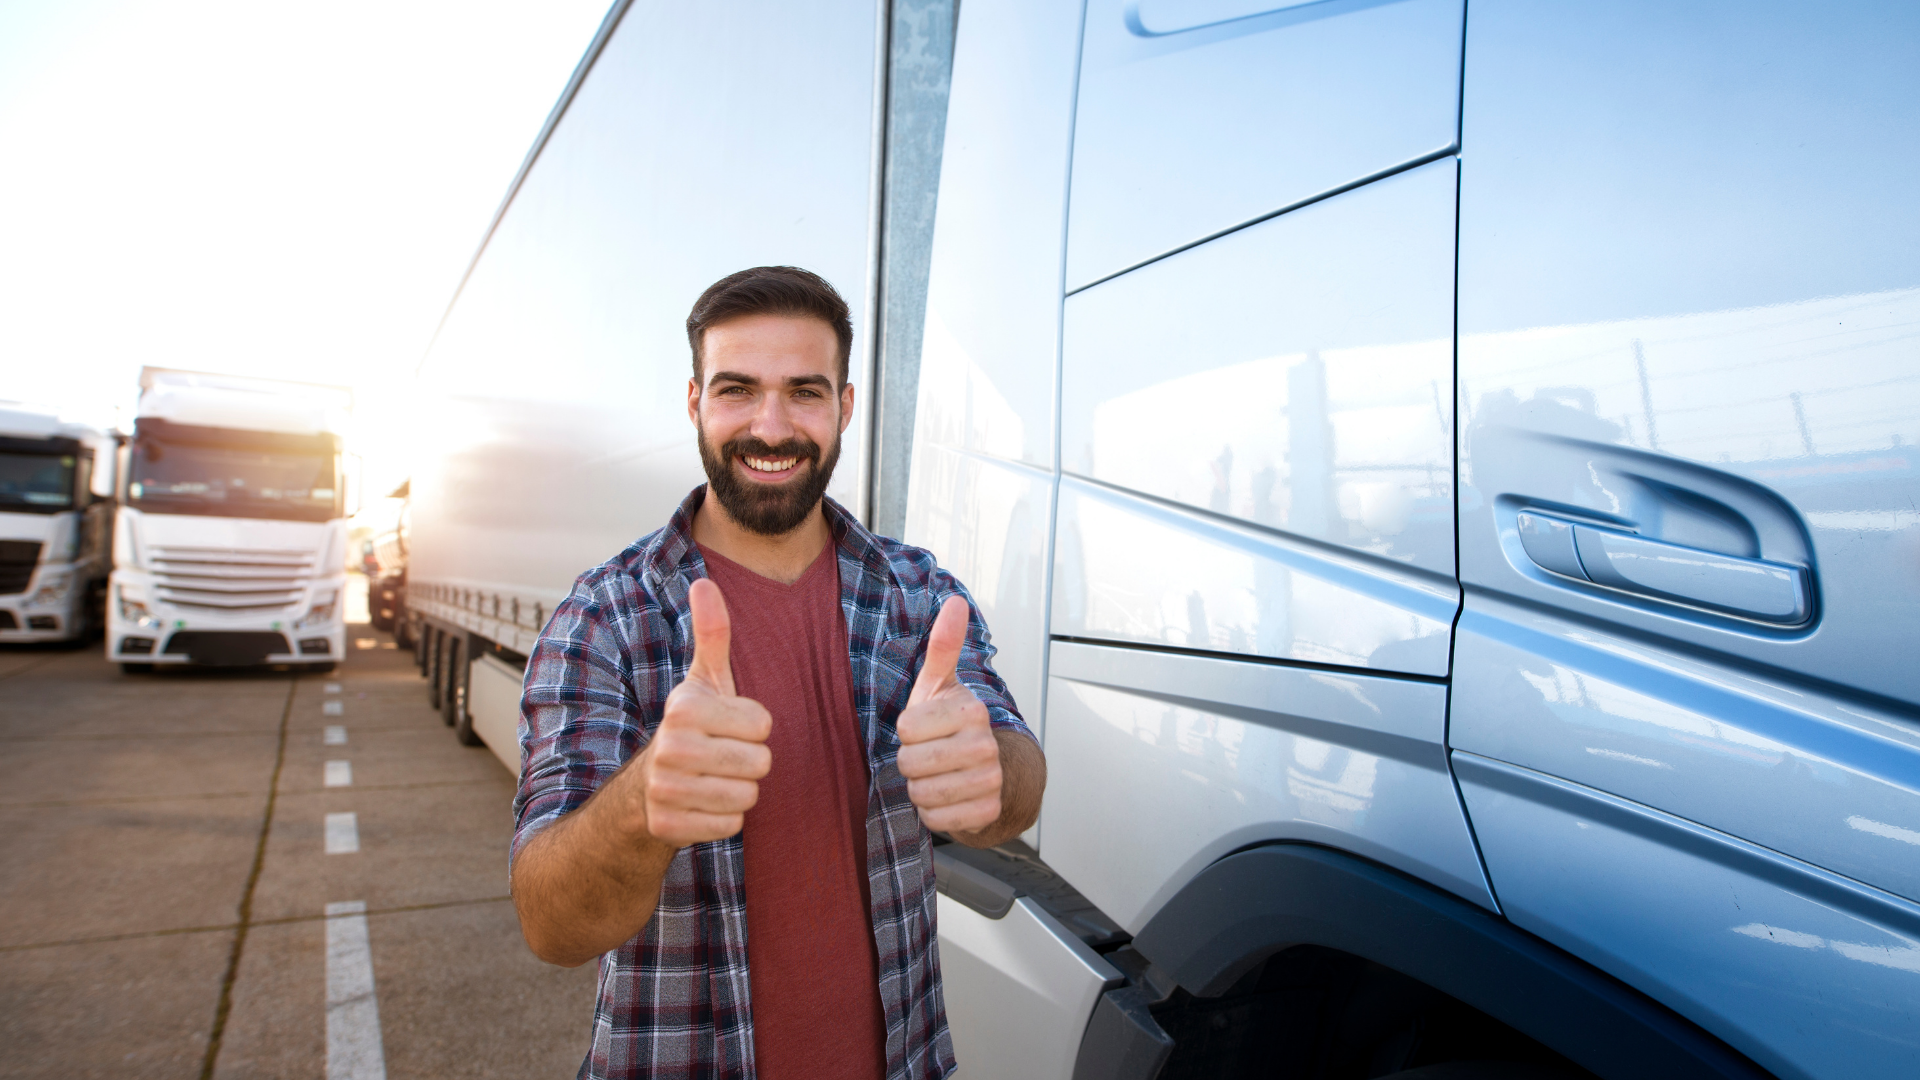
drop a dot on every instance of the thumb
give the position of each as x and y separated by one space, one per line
943 649
712 637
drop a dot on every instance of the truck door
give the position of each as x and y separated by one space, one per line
1254 568
1684 697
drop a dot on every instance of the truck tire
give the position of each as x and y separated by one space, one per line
457 715
136 669
452 663
452 696
436 646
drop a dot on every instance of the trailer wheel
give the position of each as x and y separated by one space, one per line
452 696
436 646
457 714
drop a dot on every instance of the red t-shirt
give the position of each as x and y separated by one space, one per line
811 960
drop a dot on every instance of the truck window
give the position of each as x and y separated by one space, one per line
42 482
1183 133
230 481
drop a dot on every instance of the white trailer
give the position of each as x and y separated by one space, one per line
230 546
56 525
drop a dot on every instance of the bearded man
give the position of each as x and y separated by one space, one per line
739 732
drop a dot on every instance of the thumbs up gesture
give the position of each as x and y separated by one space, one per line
947 750
700 773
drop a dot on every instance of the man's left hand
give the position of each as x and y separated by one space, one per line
947 750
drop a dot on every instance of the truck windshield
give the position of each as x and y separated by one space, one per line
36 482
230 481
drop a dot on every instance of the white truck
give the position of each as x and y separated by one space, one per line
230 545
56 525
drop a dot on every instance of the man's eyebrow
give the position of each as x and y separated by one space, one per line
794 382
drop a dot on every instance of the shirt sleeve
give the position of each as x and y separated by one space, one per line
579 717
975 667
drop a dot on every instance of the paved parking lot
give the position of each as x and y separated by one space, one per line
172 845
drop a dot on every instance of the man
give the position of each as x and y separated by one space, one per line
738 733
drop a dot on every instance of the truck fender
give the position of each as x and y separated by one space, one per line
1261 901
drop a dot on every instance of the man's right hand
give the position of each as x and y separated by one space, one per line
700 773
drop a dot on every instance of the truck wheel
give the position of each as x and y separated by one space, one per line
321 668
456 713
452 700
136 669
436 646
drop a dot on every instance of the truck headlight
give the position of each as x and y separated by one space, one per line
320 612
135 612
52 590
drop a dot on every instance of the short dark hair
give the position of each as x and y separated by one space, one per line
770 290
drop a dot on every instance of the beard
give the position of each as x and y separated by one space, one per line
768 509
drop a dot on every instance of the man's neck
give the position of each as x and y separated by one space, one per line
782 558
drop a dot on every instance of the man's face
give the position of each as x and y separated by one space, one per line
769 410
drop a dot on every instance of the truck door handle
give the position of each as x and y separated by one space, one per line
1752 588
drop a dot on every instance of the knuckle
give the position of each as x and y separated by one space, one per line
668 790
911 762
674 754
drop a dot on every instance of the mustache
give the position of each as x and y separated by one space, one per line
749 446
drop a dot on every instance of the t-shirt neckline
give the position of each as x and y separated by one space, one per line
759 580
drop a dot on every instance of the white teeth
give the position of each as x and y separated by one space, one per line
769 465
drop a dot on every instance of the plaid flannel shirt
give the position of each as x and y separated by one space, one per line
673 1001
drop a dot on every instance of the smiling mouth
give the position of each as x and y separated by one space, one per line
769 465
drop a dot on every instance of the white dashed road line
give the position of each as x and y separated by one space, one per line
343 833
354 1051
339 774
331 688
333 708
335 735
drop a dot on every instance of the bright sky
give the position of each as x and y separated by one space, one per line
262 188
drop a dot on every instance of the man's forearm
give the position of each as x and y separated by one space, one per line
1023 781
581 889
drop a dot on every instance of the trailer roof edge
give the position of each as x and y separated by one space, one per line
600 38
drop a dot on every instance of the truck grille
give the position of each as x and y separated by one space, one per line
17 560
226 579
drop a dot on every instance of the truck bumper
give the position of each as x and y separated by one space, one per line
163 635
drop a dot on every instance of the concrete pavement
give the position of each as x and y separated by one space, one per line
162 910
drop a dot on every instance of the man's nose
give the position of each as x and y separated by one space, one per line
771 424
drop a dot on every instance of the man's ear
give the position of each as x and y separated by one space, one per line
846 407
693 401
